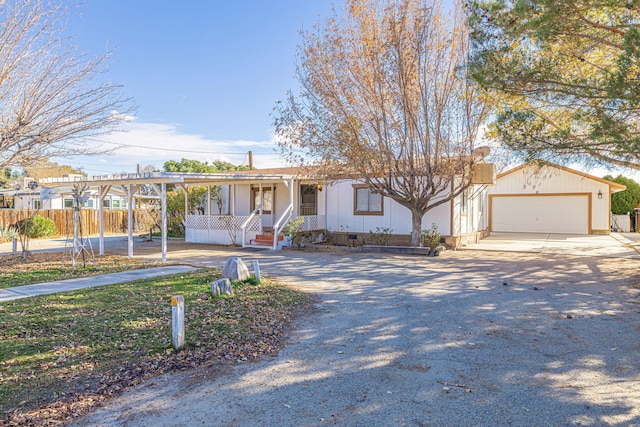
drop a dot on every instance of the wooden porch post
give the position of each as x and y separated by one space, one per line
162 192
208 210
129 190
232 200
164 221
102 193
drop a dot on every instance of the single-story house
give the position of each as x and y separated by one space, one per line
28 195
253 207
263 200
543 197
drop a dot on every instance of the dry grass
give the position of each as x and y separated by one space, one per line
64 353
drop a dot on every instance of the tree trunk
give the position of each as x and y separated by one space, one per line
416 228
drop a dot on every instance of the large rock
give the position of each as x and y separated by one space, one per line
235 269
221 287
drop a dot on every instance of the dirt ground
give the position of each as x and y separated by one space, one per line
468 338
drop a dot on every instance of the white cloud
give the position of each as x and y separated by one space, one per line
155 143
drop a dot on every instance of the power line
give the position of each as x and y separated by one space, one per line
164 149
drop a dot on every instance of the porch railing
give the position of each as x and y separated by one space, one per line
250 222
314 223
280 223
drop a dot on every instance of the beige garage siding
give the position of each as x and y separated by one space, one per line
553 213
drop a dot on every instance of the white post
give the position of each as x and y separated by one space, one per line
102 194
177 321
232 198
256 270
164 221
185 187
129 193
162 193
208 211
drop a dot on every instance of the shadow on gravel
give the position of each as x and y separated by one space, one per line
464 339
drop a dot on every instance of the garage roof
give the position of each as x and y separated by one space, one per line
614 186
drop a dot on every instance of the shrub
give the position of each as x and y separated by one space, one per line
431 236
8 233
381 236
37 226
293 231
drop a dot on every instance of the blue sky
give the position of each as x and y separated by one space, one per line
205 75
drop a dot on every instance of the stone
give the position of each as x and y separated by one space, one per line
438 249
221 287
235 269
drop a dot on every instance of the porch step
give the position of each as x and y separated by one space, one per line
264 240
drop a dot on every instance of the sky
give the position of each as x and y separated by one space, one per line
205 76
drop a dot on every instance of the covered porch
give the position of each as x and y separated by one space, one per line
253 208
240 208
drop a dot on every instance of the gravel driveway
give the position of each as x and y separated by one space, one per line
465 339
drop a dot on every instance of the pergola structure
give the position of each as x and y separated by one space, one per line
131 184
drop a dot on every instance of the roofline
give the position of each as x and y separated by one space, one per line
170 178
614 186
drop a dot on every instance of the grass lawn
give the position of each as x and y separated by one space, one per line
63 353
49 266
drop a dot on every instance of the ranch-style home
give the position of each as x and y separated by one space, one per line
252 207
265 199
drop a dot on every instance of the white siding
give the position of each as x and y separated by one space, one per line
547 179
340 215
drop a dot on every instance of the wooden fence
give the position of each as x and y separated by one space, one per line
115 221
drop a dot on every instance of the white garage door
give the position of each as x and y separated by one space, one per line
540 214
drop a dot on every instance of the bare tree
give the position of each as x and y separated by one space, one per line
385 93
50 93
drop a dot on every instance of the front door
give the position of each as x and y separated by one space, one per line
267 205
308 198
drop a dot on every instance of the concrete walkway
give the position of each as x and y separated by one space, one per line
88 282
614 245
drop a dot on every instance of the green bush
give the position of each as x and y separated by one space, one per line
431 236
37 226
625 201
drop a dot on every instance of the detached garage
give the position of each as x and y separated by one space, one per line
548 198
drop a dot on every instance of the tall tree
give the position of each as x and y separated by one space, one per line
384 93
624 202
566 73
51 96
188 165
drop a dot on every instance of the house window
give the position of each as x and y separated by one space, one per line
115 204
37 204
106 203
68 203
464 201
90 203
267 199
366 202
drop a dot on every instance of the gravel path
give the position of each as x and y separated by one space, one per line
469 338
